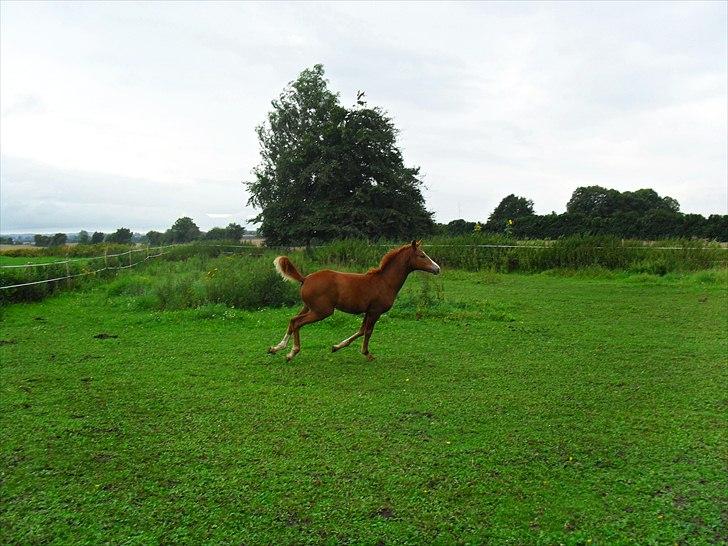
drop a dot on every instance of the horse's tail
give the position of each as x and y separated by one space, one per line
287 270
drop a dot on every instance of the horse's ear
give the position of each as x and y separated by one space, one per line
414 243
419 243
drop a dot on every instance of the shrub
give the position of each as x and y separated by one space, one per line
234 281
179 292
129 285
652 266
248 284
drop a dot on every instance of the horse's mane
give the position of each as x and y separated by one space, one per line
388 258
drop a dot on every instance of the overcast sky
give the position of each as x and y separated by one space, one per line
134 114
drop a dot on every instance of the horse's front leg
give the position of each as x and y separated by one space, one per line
369 321
273 349
348 340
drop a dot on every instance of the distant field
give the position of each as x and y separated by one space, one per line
16 260
519 410
9 247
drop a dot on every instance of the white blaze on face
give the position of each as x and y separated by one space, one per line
435 267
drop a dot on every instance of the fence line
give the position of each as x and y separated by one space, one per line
84 273
644 247
87 258
251 247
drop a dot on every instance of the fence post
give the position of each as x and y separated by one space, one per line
68 273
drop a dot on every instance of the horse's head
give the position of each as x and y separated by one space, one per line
419 261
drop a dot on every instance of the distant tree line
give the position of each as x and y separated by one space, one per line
594 210
59 239
183 230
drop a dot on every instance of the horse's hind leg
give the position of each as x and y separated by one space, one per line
284 342
302 320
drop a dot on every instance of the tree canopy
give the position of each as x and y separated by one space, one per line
59 239
510 208
121 235
233 232
154 238
330 172
41 240
183 230
596 201
594 210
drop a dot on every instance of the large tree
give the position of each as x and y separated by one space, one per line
154 238
183 230
510 208
59 239
121 235
233 232
593 201
330 172
42 240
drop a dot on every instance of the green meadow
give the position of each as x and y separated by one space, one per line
500 408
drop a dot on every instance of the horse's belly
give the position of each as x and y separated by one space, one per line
351 307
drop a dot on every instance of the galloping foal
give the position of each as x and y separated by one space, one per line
371 293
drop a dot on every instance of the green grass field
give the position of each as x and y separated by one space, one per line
519 410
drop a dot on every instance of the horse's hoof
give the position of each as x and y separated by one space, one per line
334 348
369 356
271 351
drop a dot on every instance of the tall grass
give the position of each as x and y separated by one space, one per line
243 276
85 272
243 282
69 250
500 254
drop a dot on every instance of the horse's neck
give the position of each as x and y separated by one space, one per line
395 273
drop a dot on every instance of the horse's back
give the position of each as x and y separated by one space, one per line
328 289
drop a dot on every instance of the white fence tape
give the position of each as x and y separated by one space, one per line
84 273
86 258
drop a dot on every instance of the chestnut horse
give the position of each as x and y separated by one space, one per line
371 293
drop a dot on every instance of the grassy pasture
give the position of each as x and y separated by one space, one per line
508 409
